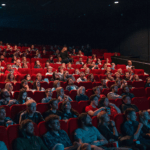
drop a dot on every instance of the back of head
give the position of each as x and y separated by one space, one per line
82 118
92 97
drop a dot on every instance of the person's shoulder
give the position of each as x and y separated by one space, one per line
23 113
78 130
62 132
37 112
47 134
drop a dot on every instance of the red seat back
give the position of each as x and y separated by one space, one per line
147 92
87 85
138 92
3 136
42 107
95 121
73 94
138 84
82 105
38 96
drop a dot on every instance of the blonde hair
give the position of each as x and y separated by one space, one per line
7 85
80 89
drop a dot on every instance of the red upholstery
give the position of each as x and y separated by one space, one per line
38 96
30 94
17 86
82 105
138 84
121 66
73 94
96 71
105 91
24 71
3 136
42 107
138 71
95 121
96 84
72 126
109 83
138 92
141 102
147 92
89 92
35 71
15 109
87 85
7 108
45 85
118 102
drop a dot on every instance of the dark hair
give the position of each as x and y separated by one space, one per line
124 87
89 77
113 86
35 86
101 102
24 124
26 76
22 82
92 97
55 83
2 108
95 88
81 118
72 110
124 97
52 100
8 78
54 75
49 119
128 111
2 92
20 96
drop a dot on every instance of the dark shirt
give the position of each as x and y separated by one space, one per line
147 85
81 98
5 120
125 106
51 139
128 79
64 55
71 87
128 94
107 132
68 115
37 117
50 112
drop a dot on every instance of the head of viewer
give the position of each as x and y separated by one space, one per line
103 117
114 88
31 106
54 103
85 120
126 99
130 114
48 92
94 100
2 113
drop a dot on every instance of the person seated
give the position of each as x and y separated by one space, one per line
87 71
118 83
97 91
107 61
37 86
24 60
67 111
33 48
48 94
73 52
126 91
14 59
10 78
24 85
28 78
3 146
47 64
130 71
31 113
76 71
37 54
49 70
17 65
107 127
103 84
59 61
26 135
93 109
6 100
5 121
53 109
94 57
124 83
25 65
87 133
113 66
11 70
55 76
55 138
98 62
63 66
129 64
81 94
133 128
56 84
120 71
80 62
104 67
61 96
66 76
22 97
109 77
56 53
44 52
126 103
70 85
84 66
9 87
69 66
108 71
91 78
144 119
88 61
80 53
37 64
113 94
136 78
111 108
1 67
60 72
93 66
82 77
118 76
2 58
147 82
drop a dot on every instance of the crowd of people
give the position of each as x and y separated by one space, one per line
134 135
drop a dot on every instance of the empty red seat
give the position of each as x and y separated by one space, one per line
138 84
89 92
82 105
3 136
141 102
73 94
110 83
120 66
24 70
105 91
138 92
38 96
42 107
87 85
37 70
138 71
147 92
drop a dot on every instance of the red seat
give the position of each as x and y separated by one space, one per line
105 91
7 108
110 83
95 121
143 77
102 76
3 136
36 70
118 102
71 71
147 92
45 85
16 94
138 92
139 71
73 94
30 94
89 92
24 70
96 71
121 66
17 86
82 105
42 107
96 84
15 109
38 96
96 78
141 102
13 133
63 84
87 85
138 84
72 126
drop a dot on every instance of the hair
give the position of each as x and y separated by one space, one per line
79 90
81 118
128 111
68 80
24 124
46 91
147 79
8 78
102 80
124 97
124 87
2 92
72 110
101 102
20 96
53 76
89 77
113 86
101 116
7 85
49 119
95 88
22 82
141 114
31 101
92 97
2 108
52 100
35 86
35 64
58 90
38 74
26 76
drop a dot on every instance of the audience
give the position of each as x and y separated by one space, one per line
103 84
70 85
37 64
55 76
49 70
80 62
22 98
9 87
87 133
56 84
48 94
37 86
129 64
97 91
28 78
3 146
81 94
31 113
147 82
91 78
10 78
82 77
128 77
17 64
126 103
24 85
126 92
27 140
113 94
136 78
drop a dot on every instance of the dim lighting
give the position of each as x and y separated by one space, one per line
3 4
116 2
